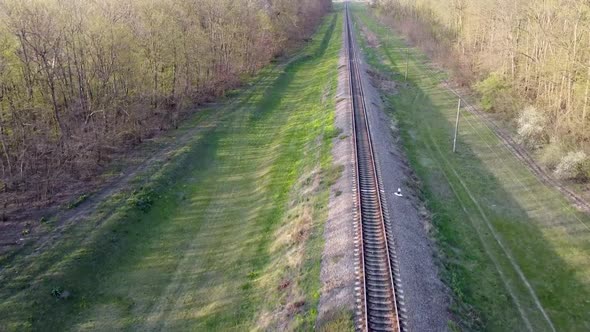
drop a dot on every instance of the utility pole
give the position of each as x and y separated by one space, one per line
456 126
407 59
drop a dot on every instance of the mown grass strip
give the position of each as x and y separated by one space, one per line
514 250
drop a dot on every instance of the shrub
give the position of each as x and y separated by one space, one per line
551 155
572 166
531 127
142 199
56 292
496 94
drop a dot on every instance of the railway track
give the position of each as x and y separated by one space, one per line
377 301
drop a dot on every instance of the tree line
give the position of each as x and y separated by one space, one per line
81 79
528 60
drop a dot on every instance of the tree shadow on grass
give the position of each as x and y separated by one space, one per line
272 97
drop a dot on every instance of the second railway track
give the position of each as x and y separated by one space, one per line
377 299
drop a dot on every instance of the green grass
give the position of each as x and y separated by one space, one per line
341 321
226 235
506 240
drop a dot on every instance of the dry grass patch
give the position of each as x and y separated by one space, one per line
283 278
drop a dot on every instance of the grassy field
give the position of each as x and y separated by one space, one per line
513 251
226 235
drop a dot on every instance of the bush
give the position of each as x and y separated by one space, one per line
496 94
573 165
142 199
56 292
531 127
551 155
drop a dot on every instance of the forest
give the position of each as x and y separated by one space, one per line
81 80
528 61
